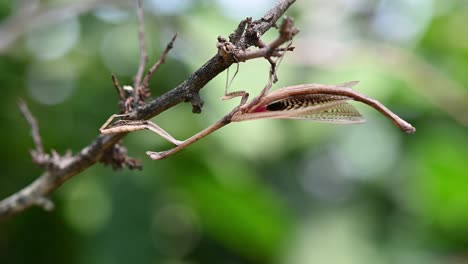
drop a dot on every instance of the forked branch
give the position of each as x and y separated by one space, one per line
143 53
229 50
155 67
188 90
34 128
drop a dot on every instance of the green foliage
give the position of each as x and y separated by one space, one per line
273 191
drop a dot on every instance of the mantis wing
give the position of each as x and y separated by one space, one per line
343 113
315 107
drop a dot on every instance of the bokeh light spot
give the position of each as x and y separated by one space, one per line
238 10
50 82
120 50
167 7
175 229
53 41
368 150
403 21
111 14
87 206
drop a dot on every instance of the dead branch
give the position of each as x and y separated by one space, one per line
143 54
68 166
116 157
145 83
34 128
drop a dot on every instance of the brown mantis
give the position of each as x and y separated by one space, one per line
316 102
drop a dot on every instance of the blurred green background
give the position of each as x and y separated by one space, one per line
271 191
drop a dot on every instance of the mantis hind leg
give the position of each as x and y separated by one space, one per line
243 94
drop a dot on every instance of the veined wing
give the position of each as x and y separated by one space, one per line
305 101
343 113
297 107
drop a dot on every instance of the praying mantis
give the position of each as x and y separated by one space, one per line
316 102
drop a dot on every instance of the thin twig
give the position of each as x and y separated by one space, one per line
89 155
161 60
143 53
117 86
34 126
236 36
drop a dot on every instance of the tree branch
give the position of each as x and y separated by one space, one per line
69 166
143 54
34 126
161 60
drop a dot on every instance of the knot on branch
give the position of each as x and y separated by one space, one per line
251 34
196 101
45 203
116 157
126 95
52 161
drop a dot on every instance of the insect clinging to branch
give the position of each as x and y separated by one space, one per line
316 102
